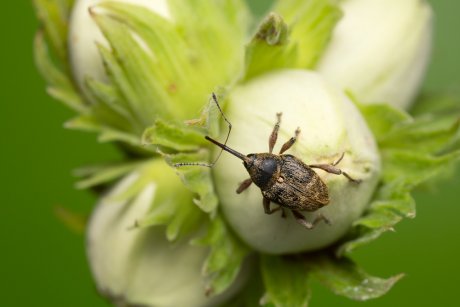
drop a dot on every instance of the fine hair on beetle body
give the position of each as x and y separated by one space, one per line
282 178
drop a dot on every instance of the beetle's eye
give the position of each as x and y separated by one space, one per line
268 166
265 174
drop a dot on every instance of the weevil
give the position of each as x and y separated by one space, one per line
282 178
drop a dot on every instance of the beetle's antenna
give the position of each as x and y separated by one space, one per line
228 149
214 98
222 146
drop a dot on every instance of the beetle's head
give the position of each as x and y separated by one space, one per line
261 168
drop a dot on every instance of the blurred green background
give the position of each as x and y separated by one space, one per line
42 263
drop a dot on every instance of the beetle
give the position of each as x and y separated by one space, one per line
283 178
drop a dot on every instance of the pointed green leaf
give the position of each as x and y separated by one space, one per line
110 108
84 123
59 84
158 48
269 49
132 69
295 42
98 175
112 135
439 103
423 135
50 51
381 219
359 236
382 118
403 204
286 281
172 206
311 23
215 32
225 259
69 97
197 179
343 277
54 15
414 151
412 168
170 202
106 134
402 172
172 136
43 59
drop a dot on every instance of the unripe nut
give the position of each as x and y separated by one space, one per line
330 125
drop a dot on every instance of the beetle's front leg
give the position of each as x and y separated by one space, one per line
267 209
244 185
290 142
330 168
309 225
274 135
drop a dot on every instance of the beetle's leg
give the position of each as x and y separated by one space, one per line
330 168
339 159
309 225
244 185
267 209
291 141
274 135
283 213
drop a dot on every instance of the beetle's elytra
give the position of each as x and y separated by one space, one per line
282 178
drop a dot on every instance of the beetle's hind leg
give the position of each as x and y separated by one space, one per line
309 225
290 142
267 209
274 136
283 213
330 168
244 185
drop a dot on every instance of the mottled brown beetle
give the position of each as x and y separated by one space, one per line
283 178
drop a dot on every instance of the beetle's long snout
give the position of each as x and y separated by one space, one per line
228 149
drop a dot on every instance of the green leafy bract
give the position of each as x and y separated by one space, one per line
170 136
441 108
225 259
197 179
50 52
171 205
102 174
151 62
286 282
414 150
268 49
343 277
54 17
155 71
287 279
311 24
293 36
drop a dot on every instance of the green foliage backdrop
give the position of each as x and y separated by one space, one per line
42 263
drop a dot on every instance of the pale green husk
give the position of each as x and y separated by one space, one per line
146 99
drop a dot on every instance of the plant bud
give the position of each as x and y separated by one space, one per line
139 266
380 50
85 35
330 125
